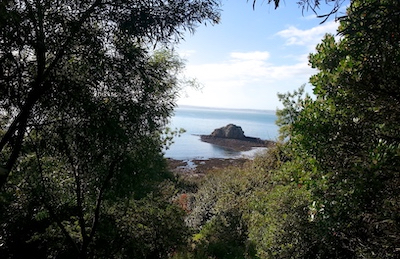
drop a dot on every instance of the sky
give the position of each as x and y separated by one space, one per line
252 54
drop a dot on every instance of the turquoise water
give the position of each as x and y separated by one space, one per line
202 121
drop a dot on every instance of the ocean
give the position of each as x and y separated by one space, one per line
202 121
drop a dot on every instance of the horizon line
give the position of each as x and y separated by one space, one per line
223 108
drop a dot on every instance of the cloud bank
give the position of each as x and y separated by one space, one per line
250 79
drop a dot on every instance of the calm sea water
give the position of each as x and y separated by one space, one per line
202 121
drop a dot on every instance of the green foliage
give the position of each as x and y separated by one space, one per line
58 55
217 214
349 137
231 208
85 98
151 227
279 223
293 105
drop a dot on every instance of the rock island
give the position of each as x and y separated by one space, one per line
232 137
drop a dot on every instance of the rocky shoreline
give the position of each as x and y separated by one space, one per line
200 167
232 137
244 144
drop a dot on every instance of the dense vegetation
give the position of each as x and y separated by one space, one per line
86 90
84 101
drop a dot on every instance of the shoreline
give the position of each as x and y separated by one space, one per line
200 167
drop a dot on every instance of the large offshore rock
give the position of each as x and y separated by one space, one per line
232 137
229 131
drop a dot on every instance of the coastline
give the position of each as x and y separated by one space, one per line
200 167
230 138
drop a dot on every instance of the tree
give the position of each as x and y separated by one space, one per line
85 97
217 213
347 138
48 47
94 153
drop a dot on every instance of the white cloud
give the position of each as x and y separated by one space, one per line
255 55
186 53
247 80
249 68
309 37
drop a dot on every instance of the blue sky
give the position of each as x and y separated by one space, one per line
249 57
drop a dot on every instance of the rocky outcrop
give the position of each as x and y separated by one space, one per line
229 131
232 137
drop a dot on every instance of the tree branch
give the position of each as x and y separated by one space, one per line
37 90
78 189
99 199
44 197
5 172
